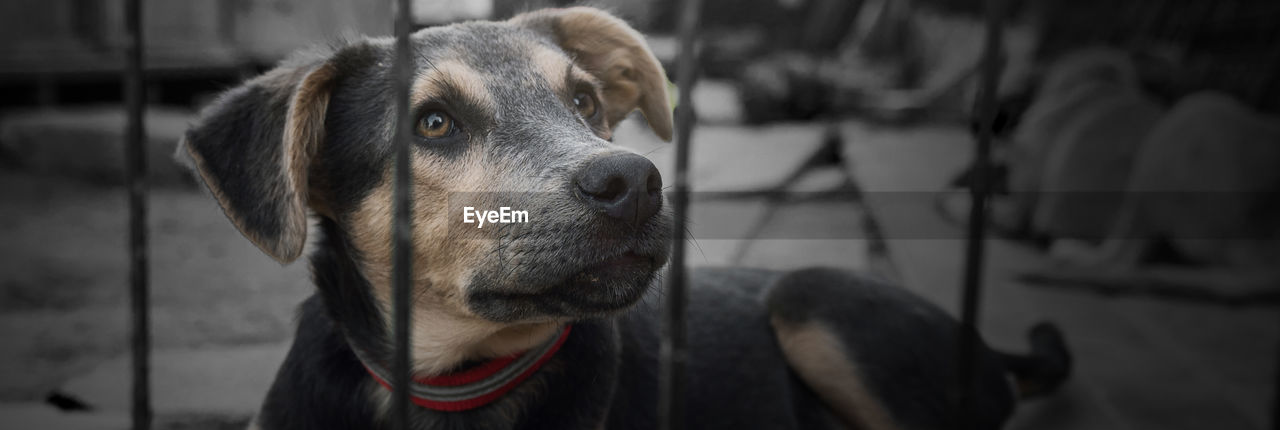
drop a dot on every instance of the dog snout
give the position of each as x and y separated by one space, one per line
624 186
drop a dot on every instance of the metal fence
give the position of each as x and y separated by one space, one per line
673 351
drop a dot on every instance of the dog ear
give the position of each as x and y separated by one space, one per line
617 54
252 147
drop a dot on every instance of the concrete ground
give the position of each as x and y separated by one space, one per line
64 296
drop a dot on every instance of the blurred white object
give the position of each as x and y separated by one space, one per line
431 12
717 102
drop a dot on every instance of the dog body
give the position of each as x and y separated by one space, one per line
550 323
740 323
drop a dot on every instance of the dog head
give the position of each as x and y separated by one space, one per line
517 113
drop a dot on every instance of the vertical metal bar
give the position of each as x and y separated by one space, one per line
136 181
1262 95
1268 88
673 350
402 246
974 248
1275 394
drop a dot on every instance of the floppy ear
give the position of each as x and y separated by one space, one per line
252 148
608 48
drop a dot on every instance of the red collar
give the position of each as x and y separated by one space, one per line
478 385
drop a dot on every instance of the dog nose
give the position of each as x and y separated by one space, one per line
625 186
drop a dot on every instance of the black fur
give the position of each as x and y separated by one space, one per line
239 138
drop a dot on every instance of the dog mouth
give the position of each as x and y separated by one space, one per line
599 289
610 285
625 265
570 272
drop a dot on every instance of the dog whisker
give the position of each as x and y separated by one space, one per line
656 150
689 238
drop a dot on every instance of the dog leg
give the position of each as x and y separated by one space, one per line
818 356
879 356
1116 267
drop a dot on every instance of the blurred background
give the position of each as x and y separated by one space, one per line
830 132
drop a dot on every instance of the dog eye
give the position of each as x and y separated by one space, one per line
585 103
435 124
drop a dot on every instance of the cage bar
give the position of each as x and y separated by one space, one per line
402 229
136 182
673 349
1275 393
976 234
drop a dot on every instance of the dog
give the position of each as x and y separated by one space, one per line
1078 143
1063 150
551 323
1197 218
1097 173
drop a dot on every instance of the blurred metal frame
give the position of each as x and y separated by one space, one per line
136 182
402 227
975 241
673 350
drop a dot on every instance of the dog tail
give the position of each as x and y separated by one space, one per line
1046 367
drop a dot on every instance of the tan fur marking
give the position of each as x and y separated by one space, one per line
253 423
551 65
304 132
820 359
557 70
434 82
